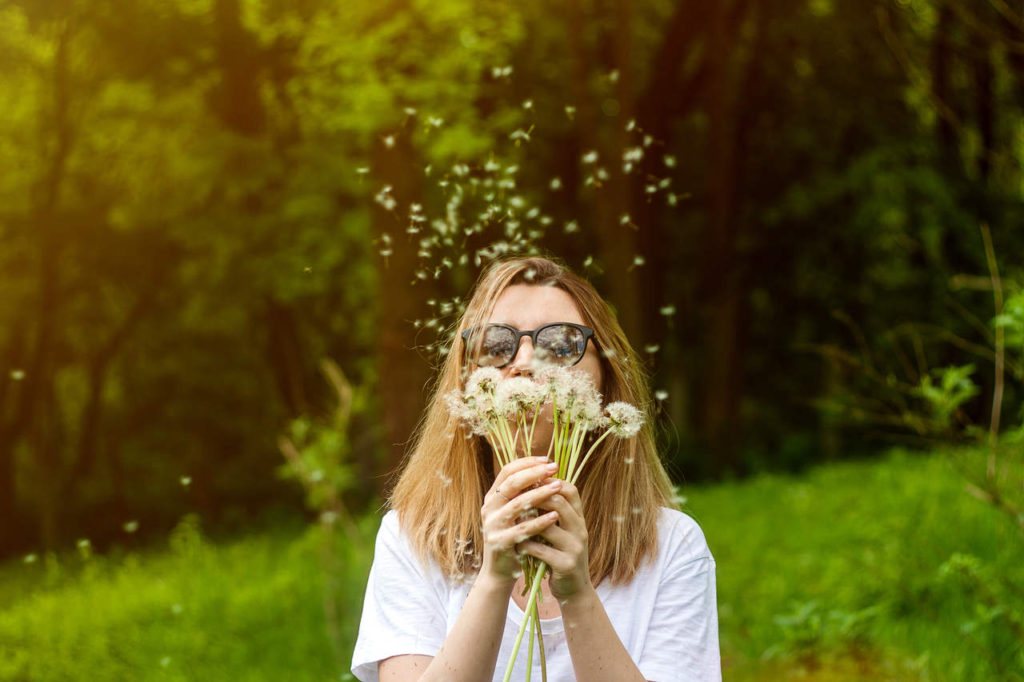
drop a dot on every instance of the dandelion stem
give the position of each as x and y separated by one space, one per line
534 589
576 474
540 646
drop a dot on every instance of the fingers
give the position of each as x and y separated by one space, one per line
506 539
520 474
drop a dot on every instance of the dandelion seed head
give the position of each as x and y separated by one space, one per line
624 419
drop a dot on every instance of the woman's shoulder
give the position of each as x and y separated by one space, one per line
680 538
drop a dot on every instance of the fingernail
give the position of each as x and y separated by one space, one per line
555 484
551 467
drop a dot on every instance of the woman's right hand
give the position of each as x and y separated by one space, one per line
513 493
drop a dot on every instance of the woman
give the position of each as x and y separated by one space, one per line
631 590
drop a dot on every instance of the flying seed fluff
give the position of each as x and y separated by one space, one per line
448 470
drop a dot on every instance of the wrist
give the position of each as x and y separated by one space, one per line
579 602
493 583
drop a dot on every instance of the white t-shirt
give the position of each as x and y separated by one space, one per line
666 617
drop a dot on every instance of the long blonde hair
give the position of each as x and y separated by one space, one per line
447 471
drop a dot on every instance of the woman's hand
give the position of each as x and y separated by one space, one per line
512 494
567 555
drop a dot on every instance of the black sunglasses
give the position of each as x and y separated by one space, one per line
558 343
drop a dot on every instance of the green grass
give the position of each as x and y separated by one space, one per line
842 568
835 575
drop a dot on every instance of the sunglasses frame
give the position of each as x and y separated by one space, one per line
588 335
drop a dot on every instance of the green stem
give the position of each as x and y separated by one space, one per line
576 474
534 589
529 648
540 645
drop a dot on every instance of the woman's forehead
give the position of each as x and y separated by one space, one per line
527 306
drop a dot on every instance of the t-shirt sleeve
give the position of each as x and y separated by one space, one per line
403 611
681 644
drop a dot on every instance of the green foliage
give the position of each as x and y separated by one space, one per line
952 389
843 566
250 609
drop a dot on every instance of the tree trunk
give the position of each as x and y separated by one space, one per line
403 375
616 239
722 291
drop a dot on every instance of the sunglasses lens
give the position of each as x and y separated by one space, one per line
497 348
561 344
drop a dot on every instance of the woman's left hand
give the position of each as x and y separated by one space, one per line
567 556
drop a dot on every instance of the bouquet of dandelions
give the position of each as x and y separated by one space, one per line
505 411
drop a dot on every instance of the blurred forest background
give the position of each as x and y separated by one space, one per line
787 202
234 236
201 200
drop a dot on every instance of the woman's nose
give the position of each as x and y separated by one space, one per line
523 362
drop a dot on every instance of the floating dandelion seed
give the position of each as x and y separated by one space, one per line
30 558
389 141
671 199
519 135
409 111
528 104
185 481
165 661
613 76
362 170
435 121
668 310
590 157
491 165
571 226
624 219
588 261
17 374
570 111
648 140
669 161
308 270
602 174
631 125
501 71
661 396
652 348
556 184
650 189
176 609
130 526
